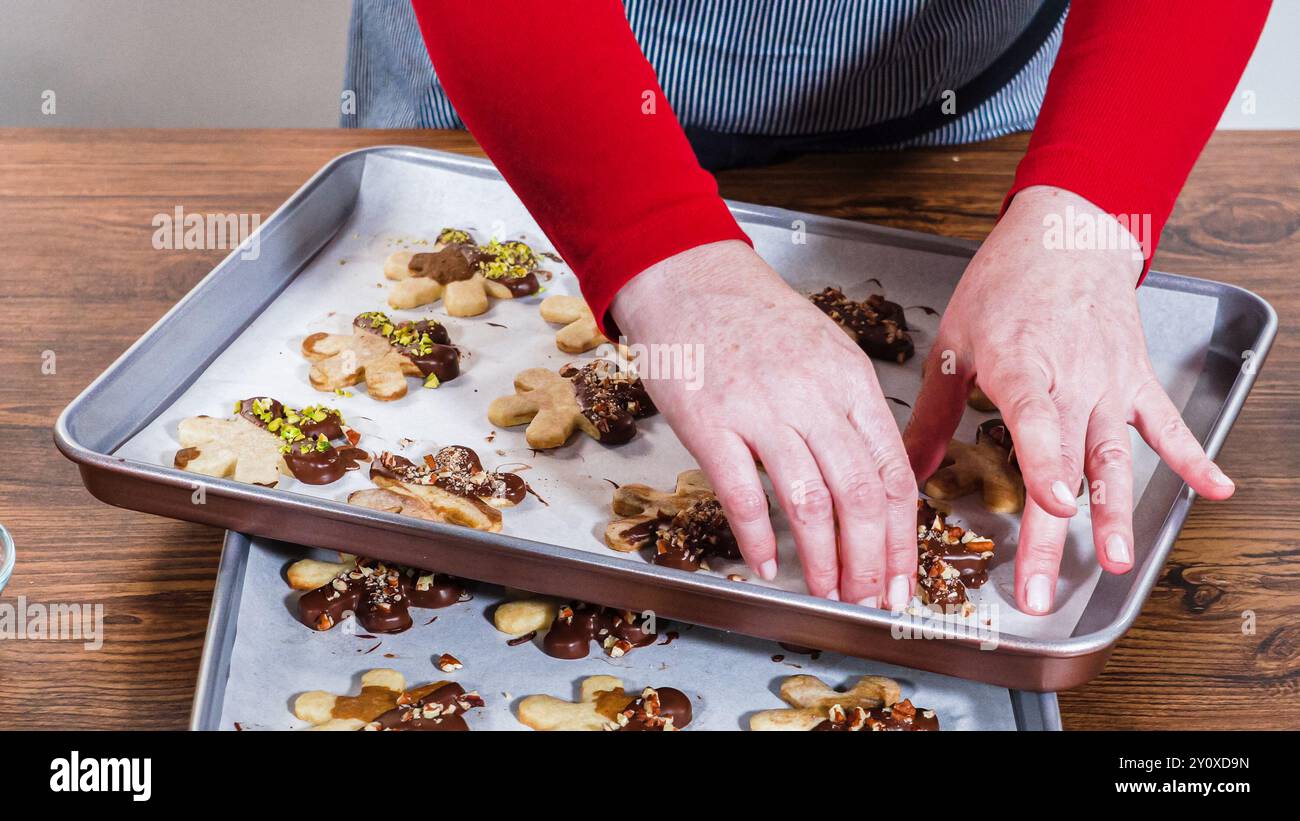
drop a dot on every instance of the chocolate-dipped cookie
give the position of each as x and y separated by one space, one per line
598 398
448 486
462 273
265 439
876 324
379 594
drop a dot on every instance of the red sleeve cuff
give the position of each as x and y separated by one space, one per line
1139 208
617 259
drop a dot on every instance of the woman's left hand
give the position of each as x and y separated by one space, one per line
1054 339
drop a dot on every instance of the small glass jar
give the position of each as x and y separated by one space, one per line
6 557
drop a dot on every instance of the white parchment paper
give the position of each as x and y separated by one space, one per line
404 205
727 675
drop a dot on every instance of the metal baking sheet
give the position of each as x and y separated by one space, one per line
258 657
141 390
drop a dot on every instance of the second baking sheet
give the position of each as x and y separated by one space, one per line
728 676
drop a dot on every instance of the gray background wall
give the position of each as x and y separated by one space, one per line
279 63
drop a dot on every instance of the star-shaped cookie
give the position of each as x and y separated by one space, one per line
462 273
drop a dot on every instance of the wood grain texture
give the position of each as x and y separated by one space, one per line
79 277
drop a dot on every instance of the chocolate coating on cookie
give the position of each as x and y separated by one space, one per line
514 264
316 447
611 399
380 595
445 267
876 324
657 709
899 717
687 540
441 710
951 560
426 343
455 469
579 624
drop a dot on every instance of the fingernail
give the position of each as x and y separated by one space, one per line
768 569
1062 493
1038 593
834 595
1220 478
870 601
1117 549
899 592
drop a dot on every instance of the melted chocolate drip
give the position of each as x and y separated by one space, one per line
900 717
611 399
381 596
951 560
304 458
687 540
876 324
455 469
441 710
579 624
426 343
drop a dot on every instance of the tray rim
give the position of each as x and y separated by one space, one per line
1096 641
1033 711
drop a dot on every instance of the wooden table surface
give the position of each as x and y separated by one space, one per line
79 277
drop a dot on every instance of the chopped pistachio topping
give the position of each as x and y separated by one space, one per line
512 259
379 321
287 425
455 236
432 381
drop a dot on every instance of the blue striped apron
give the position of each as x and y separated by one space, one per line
754 81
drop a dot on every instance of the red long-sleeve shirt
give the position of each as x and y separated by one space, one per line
579 126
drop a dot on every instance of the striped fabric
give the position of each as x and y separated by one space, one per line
758 67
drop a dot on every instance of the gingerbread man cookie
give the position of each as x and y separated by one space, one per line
462 273
382 353
571 627
598 398
871 704
580 333
450 486
988 466
950 561
604 705
380 595
876 324
384 703
266 439
685 527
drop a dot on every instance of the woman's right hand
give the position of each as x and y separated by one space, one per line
781 382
